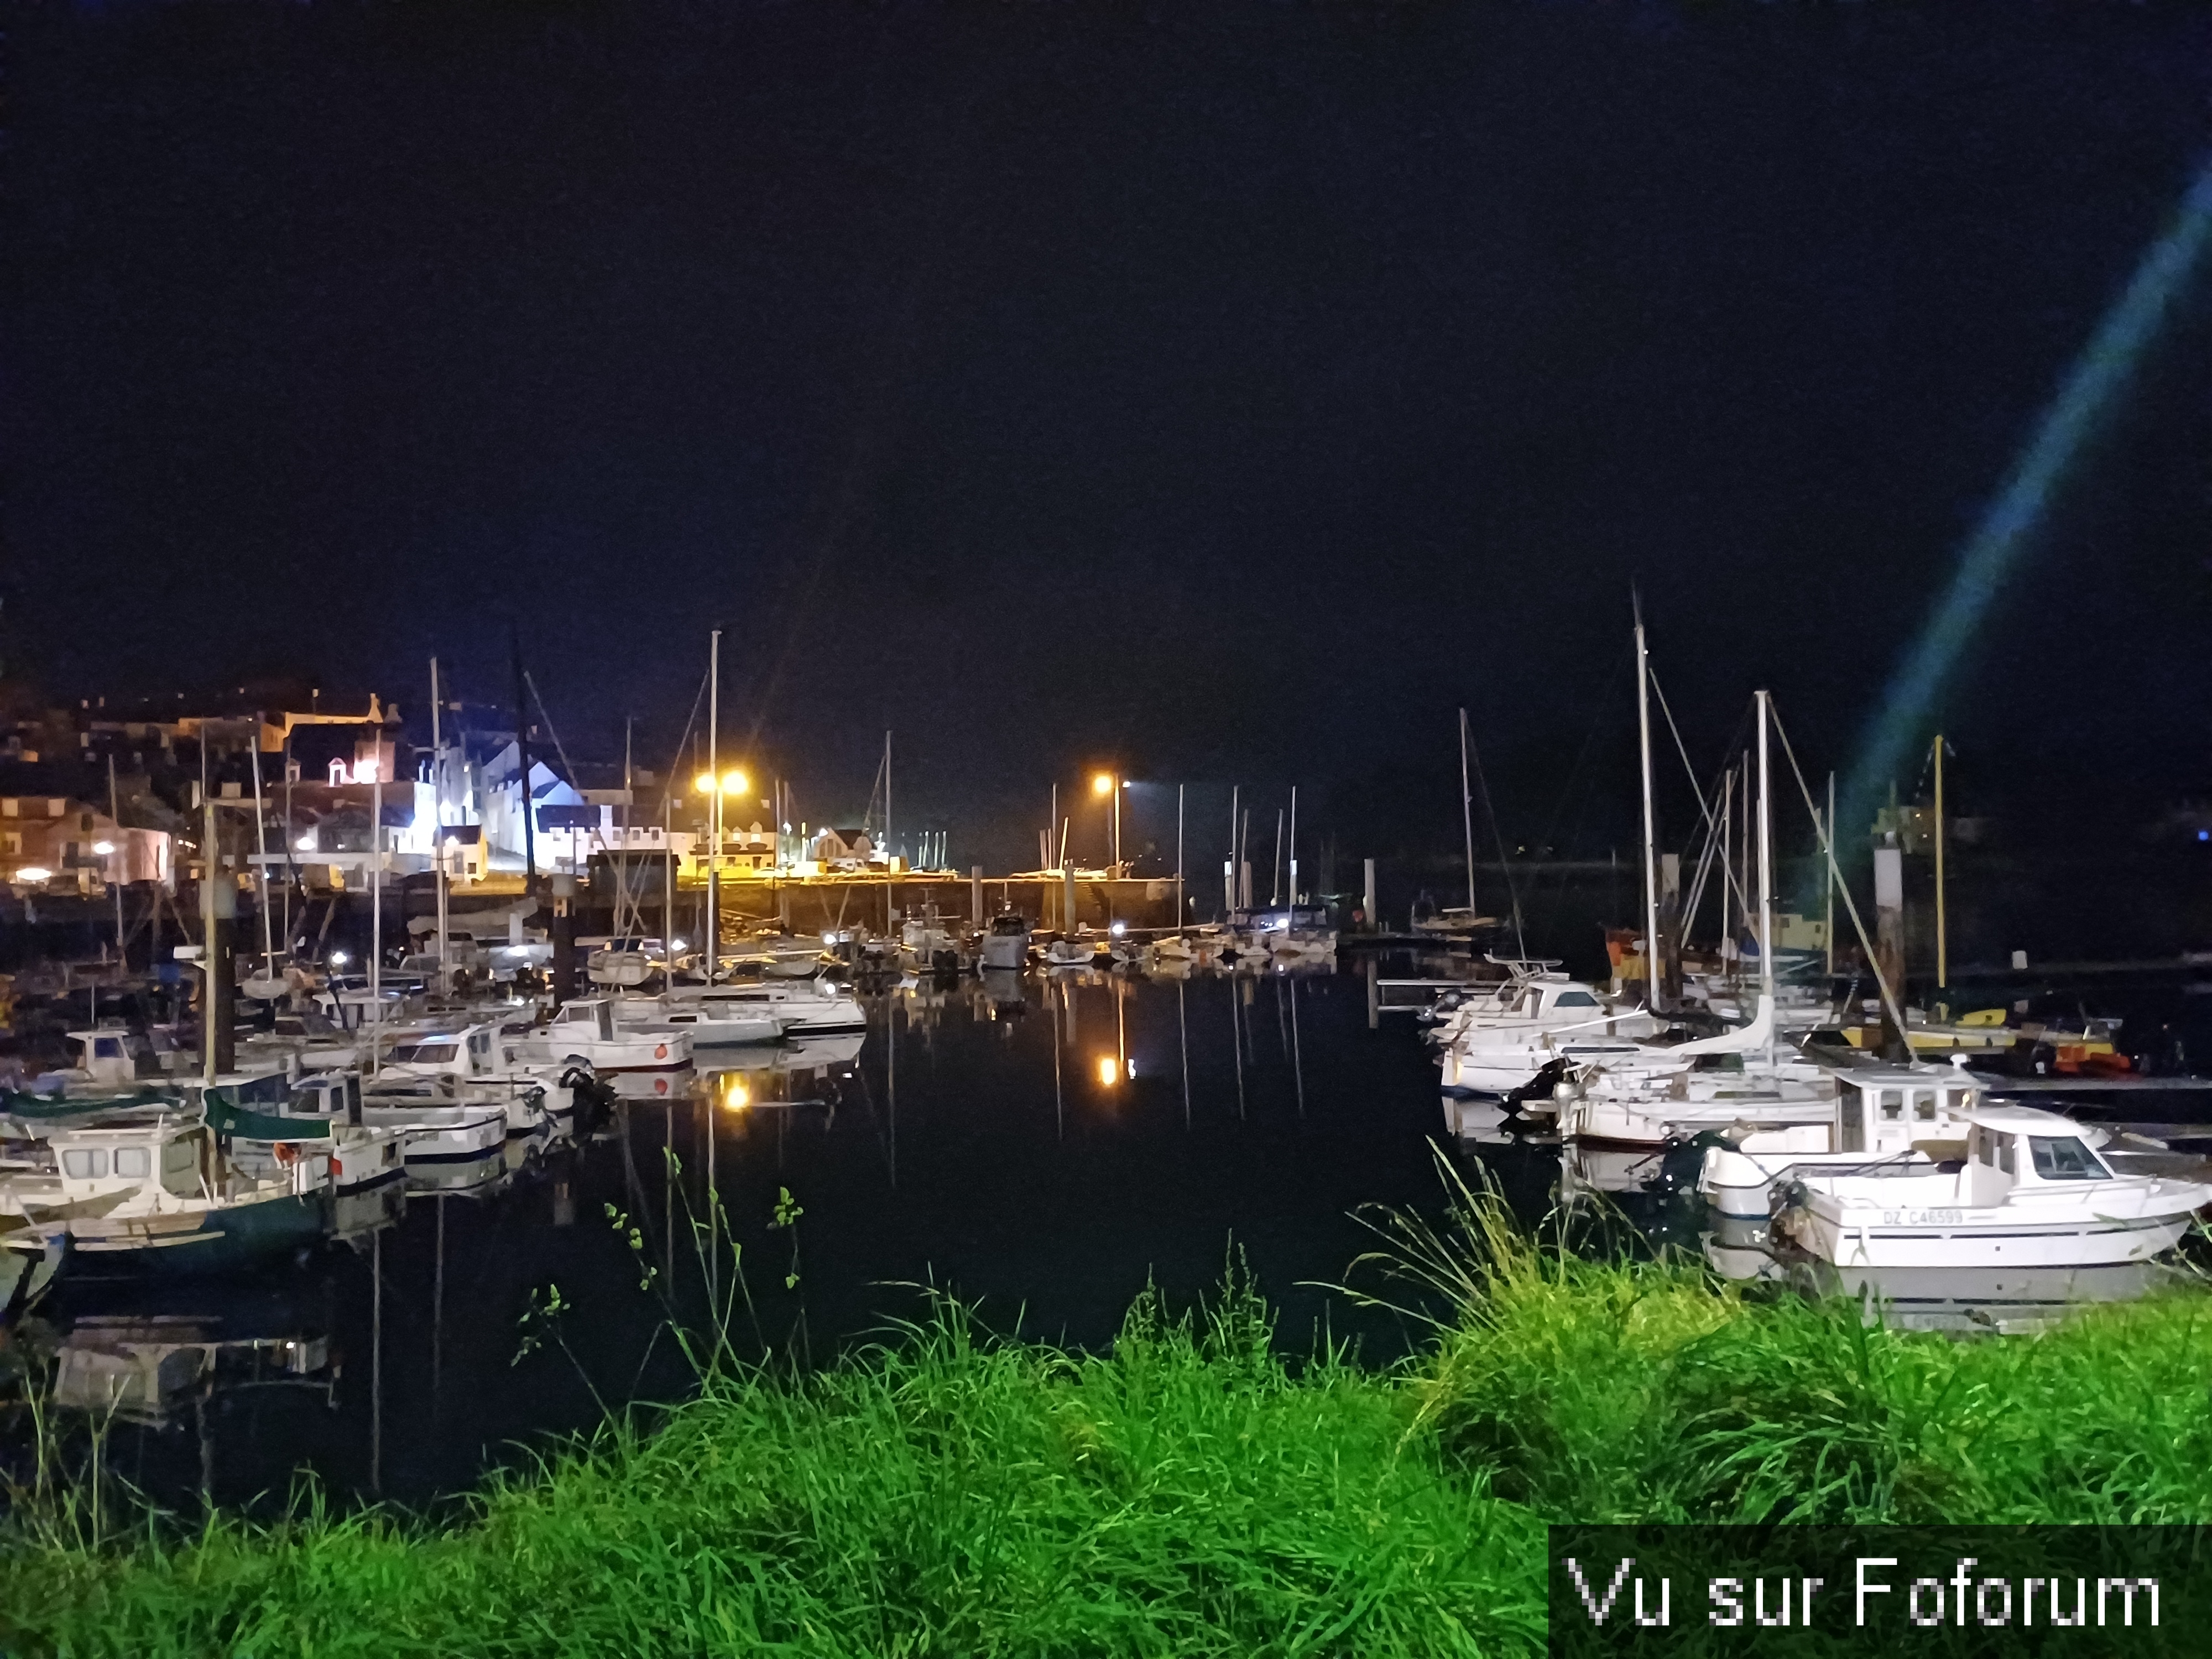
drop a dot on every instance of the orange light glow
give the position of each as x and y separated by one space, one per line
1109 1072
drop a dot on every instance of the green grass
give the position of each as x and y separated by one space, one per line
1185 1493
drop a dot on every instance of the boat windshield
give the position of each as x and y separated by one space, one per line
425 1054
2064 1157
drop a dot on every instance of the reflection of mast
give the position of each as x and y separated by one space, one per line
1236 1042
438 1311
1297 1064
1059 1101
1182 1031
376 1363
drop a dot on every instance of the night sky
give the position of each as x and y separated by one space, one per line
1227 391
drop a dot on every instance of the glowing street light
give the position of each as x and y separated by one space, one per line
103 847
1109 1072
34 872
1103 784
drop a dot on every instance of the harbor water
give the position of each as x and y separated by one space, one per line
1042 1147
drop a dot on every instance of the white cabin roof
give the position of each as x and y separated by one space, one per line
2023 1120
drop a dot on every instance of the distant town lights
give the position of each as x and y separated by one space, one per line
339 958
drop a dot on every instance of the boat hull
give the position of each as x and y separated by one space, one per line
1858 1236
218 1239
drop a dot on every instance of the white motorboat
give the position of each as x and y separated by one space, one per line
713 1022
108 1059
434 1131
1006 942
801 1007
585 1031
477 1060
316 1118
2030 1192
1891 1116
1553 1021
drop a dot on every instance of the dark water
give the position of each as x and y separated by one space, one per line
1045 1147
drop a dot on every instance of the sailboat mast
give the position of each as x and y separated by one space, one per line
1467 815
888 857
1765 872
1828 932
1728 862
1942 951
437 821
714 801
261 847
1294 853
1651 991
522 766
1229 870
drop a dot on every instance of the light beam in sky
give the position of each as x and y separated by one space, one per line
2093 383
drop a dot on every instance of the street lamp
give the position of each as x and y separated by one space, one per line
732 782
1105 783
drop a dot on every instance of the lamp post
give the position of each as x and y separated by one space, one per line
1105 783
713 789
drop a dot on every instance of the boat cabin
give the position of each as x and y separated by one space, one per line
1897 1109
472 1051
2009 1146
586 1017
174 1154
333 1096
113 1058
1543 999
